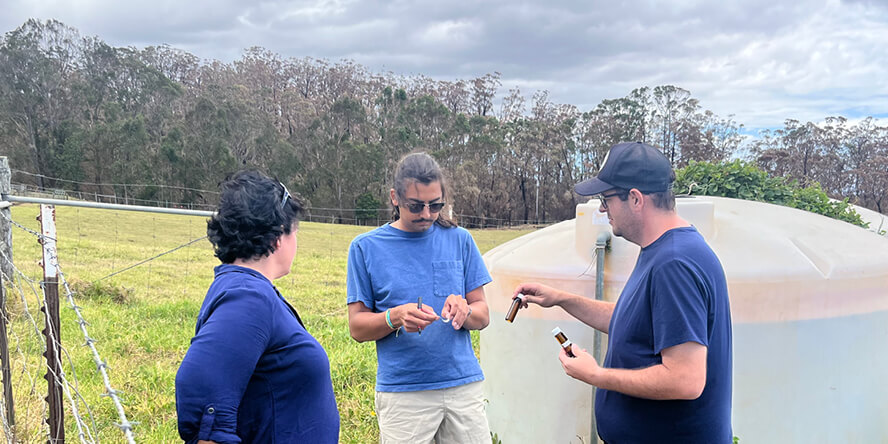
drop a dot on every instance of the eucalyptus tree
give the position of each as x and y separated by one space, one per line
673 111
706 137
483 92
338 155
790 151
454 95
37 63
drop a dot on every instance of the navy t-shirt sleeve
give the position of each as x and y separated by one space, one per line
358 286
216 370
678 306
476 273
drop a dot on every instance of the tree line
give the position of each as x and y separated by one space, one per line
99 117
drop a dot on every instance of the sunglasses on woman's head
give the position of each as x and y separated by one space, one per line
286 195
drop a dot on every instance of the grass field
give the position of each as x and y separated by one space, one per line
144 318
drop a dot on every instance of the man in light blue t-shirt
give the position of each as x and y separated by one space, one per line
415 286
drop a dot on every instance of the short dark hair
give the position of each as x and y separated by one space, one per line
419 167
664 200
253 213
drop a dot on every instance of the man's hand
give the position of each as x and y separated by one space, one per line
596 314
539 294
412 318
583 367
456 308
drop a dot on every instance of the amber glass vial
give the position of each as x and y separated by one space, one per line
562 339
513 309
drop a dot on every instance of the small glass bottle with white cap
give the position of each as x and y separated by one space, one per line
562 339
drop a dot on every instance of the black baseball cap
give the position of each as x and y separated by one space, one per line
630 165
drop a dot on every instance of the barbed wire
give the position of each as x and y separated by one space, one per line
54 262
26 229
101 365
174 187
327 215
21 276
110 198
7 428
63 381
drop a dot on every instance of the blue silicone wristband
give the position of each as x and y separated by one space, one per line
388 319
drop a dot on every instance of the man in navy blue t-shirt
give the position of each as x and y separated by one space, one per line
667 374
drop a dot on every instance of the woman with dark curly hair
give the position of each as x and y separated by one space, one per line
253 373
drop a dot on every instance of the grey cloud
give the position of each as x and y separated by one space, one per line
754 58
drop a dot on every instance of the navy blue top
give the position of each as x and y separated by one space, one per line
677 293
253 373
388 267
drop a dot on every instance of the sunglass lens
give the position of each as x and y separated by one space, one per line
416 208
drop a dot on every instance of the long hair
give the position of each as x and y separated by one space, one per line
422 168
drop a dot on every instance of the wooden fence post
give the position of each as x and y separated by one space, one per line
5 270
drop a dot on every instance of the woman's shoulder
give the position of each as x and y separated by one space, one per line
241 286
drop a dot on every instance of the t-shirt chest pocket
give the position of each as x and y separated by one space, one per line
448 276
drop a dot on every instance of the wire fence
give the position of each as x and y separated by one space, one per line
111 254
114 262
347 216
21 189
97 192
85 423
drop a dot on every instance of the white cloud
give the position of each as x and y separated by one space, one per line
760 60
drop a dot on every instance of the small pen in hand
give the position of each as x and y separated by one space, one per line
419 307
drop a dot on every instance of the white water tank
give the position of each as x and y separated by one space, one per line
878 222
809 303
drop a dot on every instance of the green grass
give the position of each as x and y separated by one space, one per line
144 318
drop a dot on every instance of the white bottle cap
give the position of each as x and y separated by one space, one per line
556 331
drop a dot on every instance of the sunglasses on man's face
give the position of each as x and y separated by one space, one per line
604 197
416 207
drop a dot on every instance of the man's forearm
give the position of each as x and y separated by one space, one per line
681 374
654 382
479 318
369 326
596 314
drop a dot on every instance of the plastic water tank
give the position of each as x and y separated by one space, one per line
809 302
878 222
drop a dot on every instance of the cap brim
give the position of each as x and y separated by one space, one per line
592 187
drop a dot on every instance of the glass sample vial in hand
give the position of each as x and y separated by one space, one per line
513 309
562 339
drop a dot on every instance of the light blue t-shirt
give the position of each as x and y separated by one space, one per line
388 267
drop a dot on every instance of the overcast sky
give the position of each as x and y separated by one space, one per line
762 61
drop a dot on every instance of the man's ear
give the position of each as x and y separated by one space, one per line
394 197
636 199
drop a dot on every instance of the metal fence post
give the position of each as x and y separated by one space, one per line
56 420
